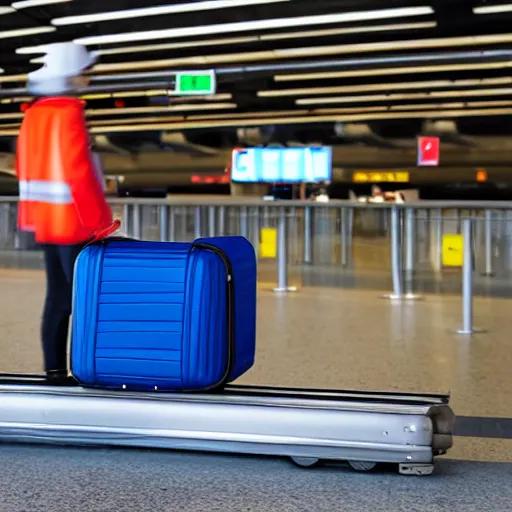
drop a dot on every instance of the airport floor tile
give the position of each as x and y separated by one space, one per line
332 338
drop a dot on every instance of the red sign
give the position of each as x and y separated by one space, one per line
222 179
481 175
428 151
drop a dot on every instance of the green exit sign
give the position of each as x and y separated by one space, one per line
195 83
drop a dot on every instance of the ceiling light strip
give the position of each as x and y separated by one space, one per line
351 110
147 110
435 114
433 106
266 24
392 71
161 119
246 115
398 45
23 32
401 97
30 50
161 10
347 31
10 101
307 52
131 120
227 58
156 93
12 79
26 4
139 110
291 113
493 9
433 84
12 115
303 120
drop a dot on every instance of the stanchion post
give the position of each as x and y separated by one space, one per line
396 259
344 237
396 270
126 224
222 220
292 234
308 258
197 222
183 225
282 254
255 227
137 222
488 244
164 222
467 281
410 240
244 227
500 224
211 221
172 224
4 223
351 226
266 216
438 219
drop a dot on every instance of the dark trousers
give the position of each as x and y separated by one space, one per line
59 262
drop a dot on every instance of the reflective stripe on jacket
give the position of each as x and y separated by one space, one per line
61 198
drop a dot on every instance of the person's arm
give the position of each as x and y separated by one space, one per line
24 220
79 170
20 154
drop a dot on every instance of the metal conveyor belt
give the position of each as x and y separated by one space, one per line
362 428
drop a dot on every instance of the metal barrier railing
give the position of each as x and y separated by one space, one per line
307 233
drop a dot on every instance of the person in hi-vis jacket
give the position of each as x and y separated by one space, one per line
62 199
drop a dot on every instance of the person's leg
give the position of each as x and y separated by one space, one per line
56 311
67 255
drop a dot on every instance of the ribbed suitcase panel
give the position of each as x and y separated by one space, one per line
131 301
137 303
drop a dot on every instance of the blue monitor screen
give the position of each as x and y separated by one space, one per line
282 165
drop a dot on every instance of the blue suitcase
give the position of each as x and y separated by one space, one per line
165 316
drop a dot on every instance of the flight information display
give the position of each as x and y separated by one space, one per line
282 165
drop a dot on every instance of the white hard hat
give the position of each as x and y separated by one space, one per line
62 61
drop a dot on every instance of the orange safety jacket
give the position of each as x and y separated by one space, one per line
61 198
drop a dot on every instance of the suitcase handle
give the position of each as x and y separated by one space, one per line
106 232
